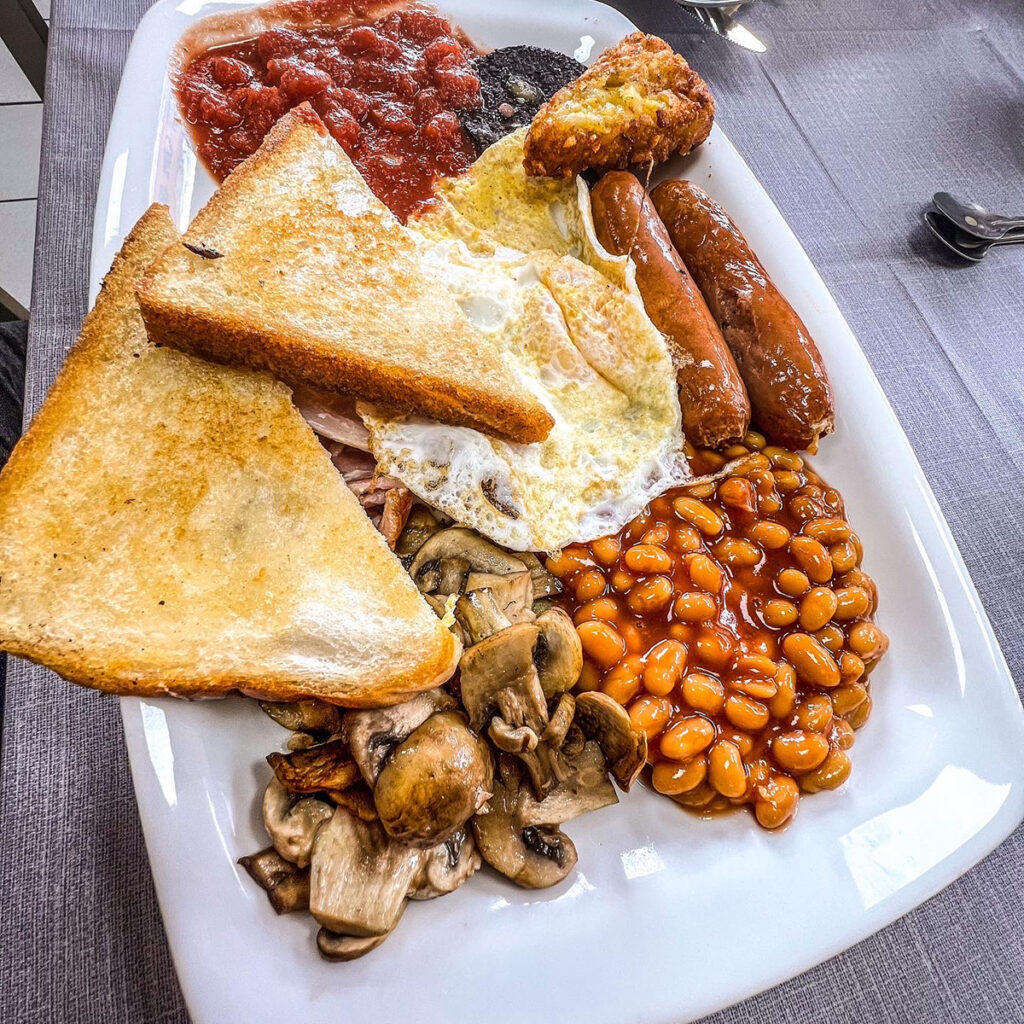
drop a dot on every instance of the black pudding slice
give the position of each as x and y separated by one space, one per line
514 82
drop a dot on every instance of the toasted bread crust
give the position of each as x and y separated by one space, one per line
394 336
170 527
593 124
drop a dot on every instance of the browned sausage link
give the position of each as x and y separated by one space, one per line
785 376
714 402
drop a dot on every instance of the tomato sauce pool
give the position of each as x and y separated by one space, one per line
388 93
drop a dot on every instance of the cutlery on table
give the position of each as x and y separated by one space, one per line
719 17
974 219
964 245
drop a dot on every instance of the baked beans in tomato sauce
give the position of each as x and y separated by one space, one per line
388 93
733 621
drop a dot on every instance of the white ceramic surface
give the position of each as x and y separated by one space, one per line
667 917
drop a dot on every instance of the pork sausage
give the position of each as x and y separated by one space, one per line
785 376
714 402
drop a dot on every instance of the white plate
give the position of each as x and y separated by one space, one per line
667 917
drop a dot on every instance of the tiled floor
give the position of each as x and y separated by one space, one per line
21 117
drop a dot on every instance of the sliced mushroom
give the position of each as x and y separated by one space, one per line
559 722
585 788
503 661
533 856
605 720
286 886
357 800
479 616
512 740
446 867
459 542
372 733
558 654
325 766
511 593
545 584
292 822
341 948
434 781
419 527
359 876
313 716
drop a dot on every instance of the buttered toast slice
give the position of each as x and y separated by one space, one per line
294 266
171 526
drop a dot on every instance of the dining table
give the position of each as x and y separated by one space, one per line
852 117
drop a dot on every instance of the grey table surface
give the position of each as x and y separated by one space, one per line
855 115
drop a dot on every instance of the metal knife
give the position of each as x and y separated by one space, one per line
720 19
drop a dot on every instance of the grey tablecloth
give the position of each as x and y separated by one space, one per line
857 113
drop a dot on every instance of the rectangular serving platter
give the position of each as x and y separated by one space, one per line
667 917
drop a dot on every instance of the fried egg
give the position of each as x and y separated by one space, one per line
522 259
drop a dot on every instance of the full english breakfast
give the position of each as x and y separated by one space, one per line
480 464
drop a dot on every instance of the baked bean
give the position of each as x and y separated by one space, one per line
567 560
850 666
867 641
814 713
650 595
601 608
799 751
602 643
697 514
725 769
775 801
757 687
830 774
658 534
756 463
758 663
635 642
816 608
754 440
622 683
671 778
703 573
742 741
622 581
771 503
851 603
846 699
694 606
700 798
828 530
856 578
705 490
842 736
784 459
786 480
606 550
738 553
736 451
860 714
645 559
771 536
703 692
782 703
687 738
745 712
590 677
858 547
792 583
666 662
684 539
738 493
813 663
589 584
831 638
714 647
650 714
843 556
778 613
812 558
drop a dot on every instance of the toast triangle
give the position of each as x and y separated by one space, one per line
171 526
294 266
